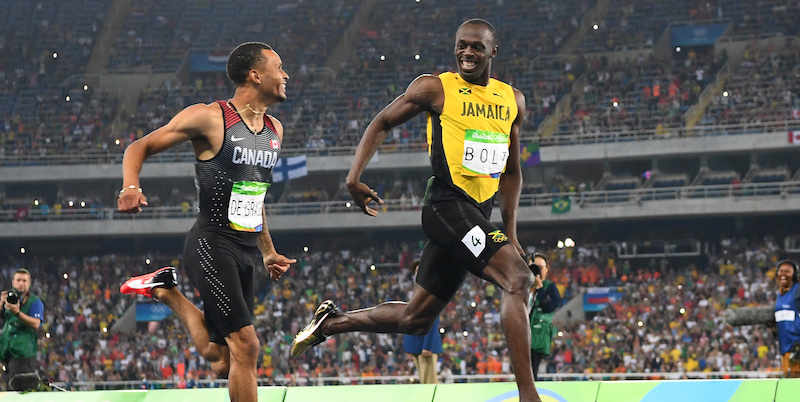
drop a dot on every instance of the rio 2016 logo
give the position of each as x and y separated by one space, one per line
513 396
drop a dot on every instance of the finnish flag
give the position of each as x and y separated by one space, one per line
289 168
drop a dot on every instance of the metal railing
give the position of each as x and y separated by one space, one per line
586 199
114 156
474 378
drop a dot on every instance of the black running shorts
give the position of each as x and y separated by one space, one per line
222 271
461 240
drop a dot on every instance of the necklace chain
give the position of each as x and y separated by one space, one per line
247 107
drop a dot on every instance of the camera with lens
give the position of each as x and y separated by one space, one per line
13 296
537 270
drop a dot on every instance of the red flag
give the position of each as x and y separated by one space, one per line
794 137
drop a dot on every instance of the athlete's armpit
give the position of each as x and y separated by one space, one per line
278 126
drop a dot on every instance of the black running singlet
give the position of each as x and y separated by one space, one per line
232 185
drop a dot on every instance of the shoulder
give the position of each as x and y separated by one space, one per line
204 110
199 115
423 83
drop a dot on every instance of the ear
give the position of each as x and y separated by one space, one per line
255 77
494 52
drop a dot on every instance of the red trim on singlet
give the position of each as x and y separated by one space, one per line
268 123
229 114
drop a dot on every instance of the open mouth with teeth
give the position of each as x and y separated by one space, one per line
468 64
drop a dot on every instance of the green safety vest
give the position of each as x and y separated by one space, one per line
18 340
542 328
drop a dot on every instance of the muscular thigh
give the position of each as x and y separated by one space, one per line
222 272
461 240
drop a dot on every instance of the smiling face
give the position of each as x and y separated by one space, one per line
271 75
475 48
784 276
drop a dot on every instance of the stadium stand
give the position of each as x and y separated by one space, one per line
641 93
678 304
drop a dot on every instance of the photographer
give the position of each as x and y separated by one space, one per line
544 299
22 314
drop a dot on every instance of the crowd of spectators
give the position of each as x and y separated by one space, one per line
324 112
47 108
669 319
763 88
637 94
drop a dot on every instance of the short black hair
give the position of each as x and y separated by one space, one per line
243 59
481 21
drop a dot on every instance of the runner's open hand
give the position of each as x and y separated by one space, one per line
363 195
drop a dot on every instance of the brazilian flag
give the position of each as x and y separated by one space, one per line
561 205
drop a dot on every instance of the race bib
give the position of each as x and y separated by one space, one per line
246 204
485 153
784 315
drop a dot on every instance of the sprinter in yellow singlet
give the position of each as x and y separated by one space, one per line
473 142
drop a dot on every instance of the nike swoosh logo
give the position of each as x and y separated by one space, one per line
140 285
234 139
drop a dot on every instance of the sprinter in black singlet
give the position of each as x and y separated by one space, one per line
236 144
473 142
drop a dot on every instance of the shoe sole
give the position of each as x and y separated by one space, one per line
305 334
130 290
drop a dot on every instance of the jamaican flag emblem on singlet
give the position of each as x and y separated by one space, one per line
465 91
